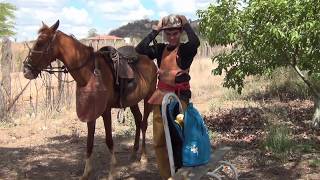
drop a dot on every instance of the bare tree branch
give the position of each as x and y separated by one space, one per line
309 84
17 96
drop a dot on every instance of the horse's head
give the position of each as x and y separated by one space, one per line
43 52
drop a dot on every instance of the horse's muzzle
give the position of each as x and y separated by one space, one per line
28 73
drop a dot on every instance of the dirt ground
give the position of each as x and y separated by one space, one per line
55 149
53 146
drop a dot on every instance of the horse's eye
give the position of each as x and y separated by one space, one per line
42 38
40 41
38 44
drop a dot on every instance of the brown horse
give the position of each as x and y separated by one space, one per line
96 93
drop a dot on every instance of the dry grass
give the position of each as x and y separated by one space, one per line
36 100
204 85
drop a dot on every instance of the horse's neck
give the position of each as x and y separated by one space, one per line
74 54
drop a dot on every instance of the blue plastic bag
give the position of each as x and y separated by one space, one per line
196 148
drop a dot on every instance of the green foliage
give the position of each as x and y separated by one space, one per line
278 141
92 32
305 147
314 163
7 124
212 135
265 34
6 19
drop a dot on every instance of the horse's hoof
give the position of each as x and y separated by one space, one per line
110 176
133 156
87 169
84 178
113 160
144 159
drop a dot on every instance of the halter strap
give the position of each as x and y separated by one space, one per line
49 70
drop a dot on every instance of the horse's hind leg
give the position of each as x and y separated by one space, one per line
144 126
90 139
109 141
137 118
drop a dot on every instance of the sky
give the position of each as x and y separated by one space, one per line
77 17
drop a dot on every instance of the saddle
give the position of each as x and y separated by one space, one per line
123 60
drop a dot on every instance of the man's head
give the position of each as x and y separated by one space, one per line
172 27
173 36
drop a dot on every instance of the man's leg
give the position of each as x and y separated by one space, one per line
160 141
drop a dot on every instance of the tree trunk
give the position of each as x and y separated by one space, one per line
316 93
6 67
316 115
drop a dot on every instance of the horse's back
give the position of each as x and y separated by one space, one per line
146 78
143 68
128 51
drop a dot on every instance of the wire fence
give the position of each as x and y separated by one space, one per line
51 93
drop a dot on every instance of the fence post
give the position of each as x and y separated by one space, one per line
6 66
60 98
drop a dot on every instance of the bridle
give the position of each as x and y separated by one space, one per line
48 50
50 69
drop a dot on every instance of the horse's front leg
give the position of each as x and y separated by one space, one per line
109 141
90 139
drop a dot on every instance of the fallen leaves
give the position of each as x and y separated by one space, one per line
247 125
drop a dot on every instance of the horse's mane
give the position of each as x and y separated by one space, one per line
74 38
46 29
78 42
43 29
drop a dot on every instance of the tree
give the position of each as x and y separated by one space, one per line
265 35
5 86
6 19
92 32
6 26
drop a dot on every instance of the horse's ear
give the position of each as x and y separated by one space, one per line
44 25
55 26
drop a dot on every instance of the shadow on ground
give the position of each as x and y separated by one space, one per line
63 158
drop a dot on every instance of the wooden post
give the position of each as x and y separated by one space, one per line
49 97
6 66
60 98
2 105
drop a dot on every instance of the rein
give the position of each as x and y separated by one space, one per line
51 69
64 68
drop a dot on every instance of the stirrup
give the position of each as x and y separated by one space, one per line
120 115
216 173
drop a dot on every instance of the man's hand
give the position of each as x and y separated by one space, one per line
158 27
183 19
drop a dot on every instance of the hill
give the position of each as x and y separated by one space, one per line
137 29
140 28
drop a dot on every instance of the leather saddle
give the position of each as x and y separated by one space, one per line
123 60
